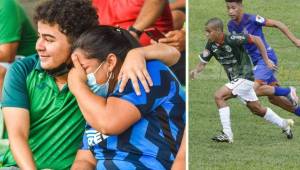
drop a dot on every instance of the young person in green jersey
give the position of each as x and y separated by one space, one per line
43 120
230 53
17 35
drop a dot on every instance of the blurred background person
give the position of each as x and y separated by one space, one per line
136 16
178 13
17 35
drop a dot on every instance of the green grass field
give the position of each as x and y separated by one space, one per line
257 144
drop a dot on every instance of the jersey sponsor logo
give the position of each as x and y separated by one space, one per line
228 48
259 19
94 137
237 37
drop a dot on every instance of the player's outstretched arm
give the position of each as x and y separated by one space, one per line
285 30
262 49
199 68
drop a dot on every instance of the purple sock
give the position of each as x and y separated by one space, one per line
281 91
297 111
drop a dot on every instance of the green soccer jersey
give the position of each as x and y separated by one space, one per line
15 26
56 123
231 55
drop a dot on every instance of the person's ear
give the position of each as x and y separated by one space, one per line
111 60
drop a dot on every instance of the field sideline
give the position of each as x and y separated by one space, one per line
257 144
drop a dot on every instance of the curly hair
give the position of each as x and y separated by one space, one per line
73 16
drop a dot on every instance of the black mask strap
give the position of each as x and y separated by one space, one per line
60 70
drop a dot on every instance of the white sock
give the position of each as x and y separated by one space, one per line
272 117
225 121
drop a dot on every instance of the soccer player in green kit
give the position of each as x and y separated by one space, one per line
230 53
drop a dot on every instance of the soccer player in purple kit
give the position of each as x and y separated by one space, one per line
266 83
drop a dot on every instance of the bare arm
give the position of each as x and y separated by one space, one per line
177 4
199 68
165 53
134 66
262 49
285 30
8 51
150 11
179 162
18 122
84 160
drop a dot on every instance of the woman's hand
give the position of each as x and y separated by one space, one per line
77 76
134 68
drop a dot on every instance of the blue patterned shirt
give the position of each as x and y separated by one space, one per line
146 144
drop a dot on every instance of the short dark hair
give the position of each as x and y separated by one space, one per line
216 23
237 1
102 40
73 16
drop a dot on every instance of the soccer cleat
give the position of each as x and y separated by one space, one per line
292 96
222 138
288 129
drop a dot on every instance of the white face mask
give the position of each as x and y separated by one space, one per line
98 89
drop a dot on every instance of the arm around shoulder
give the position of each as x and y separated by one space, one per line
165 53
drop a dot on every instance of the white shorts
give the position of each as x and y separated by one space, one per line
243 89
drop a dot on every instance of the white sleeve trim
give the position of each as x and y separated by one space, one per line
201 59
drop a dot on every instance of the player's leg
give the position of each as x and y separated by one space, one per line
269 91
246 92
286 98
270 116
221 95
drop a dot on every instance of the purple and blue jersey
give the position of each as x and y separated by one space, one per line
153 141
252 24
